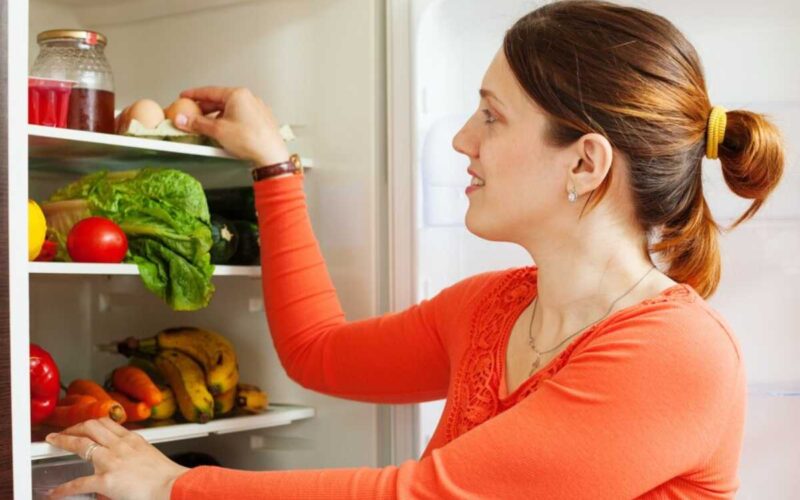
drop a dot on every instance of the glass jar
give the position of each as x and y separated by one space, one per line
79 56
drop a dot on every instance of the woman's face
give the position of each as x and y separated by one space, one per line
525 178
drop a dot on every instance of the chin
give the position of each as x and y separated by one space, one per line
482 227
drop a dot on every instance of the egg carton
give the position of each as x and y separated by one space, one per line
166 131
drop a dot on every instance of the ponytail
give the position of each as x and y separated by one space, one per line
752 164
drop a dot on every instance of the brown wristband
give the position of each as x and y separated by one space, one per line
292 166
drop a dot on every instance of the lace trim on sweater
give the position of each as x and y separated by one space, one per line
476 396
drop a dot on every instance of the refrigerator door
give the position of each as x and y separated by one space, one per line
750 57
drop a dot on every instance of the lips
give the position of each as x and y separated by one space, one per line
476 183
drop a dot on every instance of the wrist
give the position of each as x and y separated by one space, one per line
170 484
274 157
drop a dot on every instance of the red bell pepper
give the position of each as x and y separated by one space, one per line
45 384
48 252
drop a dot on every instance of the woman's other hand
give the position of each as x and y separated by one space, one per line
244 126
126 467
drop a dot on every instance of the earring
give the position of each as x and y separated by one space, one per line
573 195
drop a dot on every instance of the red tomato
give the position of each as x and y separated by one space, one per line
97 239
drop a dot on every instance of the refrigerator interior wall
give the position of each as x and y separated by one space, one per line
750 57
321 76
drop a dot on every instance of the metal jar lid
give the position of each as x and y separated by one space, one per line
88 37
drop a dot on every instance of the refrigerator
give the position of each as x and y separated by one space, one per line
321 66
374 91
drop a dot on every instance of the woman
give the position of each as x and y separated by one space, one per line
591 375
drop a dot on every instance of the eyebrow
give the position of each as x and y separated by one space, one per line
485 93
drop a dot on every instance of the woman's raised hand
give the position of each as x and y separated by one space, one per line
244 126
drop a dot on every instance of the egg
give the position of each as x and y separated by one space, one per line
147 112
182 106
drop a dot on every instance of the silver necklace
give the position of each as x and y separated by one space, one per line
531 342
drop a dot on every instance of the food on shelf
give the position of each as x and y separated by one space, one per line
183 106
187 381
165 217
37 229
136 411
97 239
49 251
48 101
79 56
212 350
76 408
44 384
145 118
167 407
87 387
225 239
251 398
147 112
237 205
248 251
224 403
146 364
134 382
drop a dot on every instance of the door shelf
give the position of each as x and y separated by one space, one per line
276 415
62 150
125 269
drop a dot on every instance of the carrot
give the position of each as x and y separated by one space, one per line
79 408
134 382
136 411
73 399
88 388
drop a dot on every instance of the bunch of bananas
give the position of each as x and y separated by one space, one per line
201 368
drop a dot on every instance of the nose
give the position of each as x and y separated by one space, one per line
466 141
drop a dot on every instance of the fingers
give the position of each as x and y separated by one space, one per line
93 430
75 444
209 94
210 106
82 485
199 124
114 427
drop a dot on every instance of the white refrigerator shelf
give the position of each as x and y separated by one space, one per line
53 149
125 269
276 415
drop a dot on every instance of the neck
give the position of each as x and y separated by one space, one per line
580 275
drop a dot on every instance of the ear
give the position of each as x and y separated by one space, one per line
594 157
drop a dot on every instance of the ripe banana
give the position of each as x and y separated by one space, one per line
213 351
186 379
224 402
251 398
166 408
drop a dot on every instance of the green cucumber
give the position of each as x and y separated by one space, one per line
225 240
249 251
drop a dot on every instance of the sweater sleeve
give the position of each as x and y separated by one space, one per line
635 407
397 358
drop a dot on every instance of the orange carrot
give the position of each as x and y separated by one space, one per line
89 388
136 411
79 408
134 382
72 399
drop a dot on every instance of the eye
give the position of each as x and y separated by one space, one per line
489 117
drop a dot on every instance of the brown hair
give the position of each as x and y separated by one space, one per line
631 76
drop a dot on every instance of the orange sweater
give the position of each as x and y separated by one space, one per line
648 403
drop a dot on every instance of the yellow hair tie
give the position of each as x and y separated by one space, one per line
715 134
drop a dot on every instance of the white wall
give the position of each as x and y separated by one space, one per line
750 52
